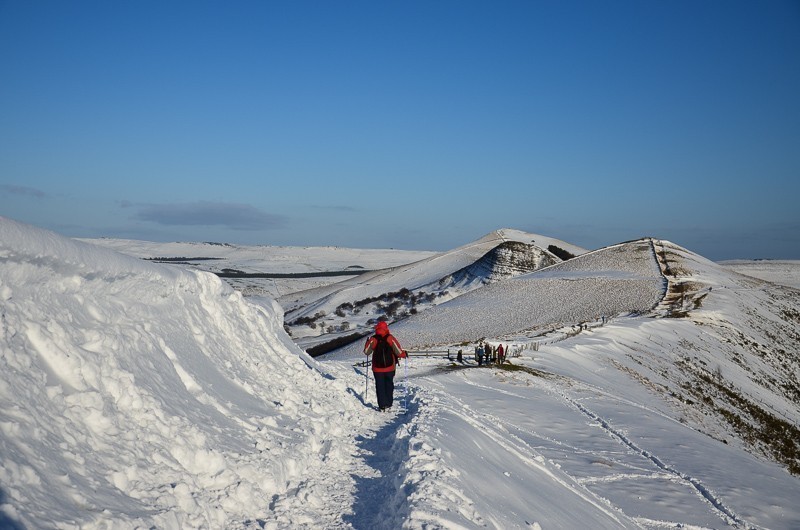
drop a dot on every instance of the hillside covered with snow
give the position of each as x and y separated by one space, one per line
622 279
350 308
648 388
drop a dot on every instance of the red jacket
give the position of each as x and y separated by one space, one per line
397 350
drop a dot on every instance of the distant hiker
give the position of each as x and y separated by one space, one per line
480 354
460 357
501 353
386 352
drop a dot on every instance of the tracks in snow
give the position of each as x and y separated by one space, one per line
719 507
402 474
501 430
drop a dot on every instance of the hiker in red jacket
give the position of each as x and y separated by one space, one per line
385 351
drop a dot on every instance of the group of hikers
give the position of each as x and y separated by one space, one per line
386 354
485 352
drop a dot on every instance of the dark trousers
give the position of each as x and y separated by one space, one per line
384 388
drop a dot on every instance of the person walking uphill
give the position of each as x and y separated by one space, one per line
385 351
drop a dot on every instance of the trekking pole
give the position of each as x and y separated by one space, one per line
366 380
405 383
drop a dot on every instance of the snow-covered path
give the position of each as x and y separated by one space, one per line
483 447
415 460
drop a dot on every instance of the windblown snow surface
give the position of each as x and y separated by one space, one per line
141 395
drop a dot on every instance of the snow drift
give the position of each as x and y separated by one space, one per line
137 394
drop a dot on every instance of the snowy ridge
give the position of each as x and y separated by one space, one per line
354 304
617 280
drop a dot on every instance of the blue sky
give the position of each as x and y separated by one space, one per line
416 125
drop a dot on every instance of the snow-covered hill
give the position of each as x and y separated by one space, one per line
351 307
136 394
622 279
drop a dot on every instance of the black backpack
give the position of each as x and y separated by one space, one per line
383 357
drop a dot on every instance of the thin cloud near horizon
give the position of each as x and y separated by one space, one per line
234 216
340 207
23 190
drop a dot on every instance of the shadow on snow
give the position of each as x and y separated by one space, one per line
380 501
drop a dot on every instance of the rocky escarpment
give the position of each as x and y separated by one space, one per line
508 259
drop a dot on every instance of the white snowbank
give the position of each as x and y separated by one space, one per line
136 394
